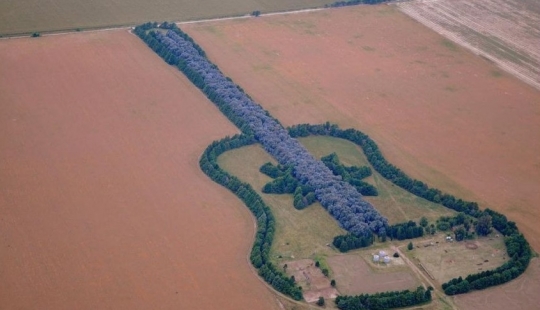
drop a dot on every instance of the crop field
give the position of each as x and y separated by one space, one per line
102 201
439 112
506 32
27 16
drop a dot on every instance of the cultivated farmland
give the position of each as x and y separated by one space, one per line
102 201
439 112
506 32
27 16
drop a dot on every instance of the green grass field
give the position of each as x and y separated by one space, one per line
299 234
307 233
26 16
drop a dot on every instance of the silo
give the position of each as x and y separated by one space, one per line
376 258
382 253
386 259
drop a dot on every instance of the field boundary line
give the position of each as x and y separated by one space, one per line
130 26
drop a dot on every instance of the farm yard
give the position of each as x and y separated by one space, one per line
103 204
445 260
505 32
107 204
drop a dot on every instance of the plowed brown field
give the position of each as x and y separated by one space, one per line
102 202
439 112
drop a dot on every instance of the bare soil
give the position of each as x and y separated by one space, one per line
446 260
354 276
505 31
313 282
437 111
102 202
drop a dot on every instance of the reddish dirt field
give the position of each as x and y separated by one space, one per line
354 276
313 282
102 202
437 111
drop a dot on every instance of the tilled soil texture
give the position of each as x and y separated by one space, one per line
102 202
437 111
505 31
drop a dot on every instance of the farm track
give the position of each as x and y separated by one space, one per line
504 32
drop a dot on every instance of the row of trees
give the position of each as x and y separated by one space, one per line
341 199
264 237
400 231
517 247
354 2
406 230
386 300
349 242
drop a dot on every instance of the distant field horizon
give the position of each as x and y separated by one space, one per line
28 16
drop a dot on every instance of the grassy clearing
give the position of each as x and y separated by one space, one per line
393 202
299 234
447 260
356 274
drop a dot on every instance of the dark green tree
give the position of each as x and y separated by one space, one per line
460 233
409 246
423 222
320 302
483 226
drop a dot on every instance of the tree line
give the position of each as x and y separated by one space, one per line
386 300
339 198
354 2
260 252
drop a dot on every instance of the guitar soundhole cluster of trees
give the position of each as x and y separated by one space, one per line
285 183
341 199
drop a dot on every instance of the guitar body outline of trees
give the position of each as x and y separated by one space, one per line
339 198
